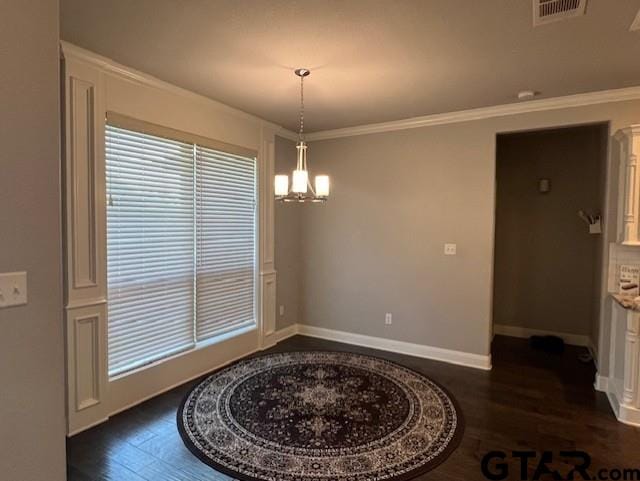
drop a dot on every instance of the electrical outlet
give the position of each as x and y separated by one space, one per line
13 289
282 310
388 319
450 249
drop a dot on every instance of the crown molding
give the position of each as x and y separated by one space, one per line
554 103
106 64
71 51
287 134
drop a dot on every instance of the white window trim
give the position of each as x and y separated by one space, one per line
135 126
93 85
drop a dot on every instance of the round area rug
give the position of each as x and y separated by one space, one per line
319 416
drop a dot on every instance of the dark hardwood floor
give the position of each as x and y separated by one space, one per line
529 401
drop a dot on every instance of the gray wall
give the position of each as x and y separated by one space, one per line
546 263
377 245
397 197
287 243
32 427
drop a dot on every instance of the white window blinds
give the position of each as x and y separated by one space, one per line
225 246
150 245
181 232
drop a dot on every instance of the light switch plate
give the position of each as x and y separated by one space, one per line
13 289
450 249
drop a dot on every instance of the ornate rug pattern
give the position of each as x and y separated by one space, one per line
319 416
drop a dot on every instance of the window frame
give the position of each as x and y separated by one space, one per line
129 123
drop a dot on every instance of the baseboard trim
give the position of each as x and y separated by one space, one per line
280 335
593 351
615 405
629 415
460 358
601 383
525 332
181 382
89 426
476 361
623 412
161 391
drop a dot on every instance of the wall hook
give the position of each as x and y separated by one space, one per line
593 221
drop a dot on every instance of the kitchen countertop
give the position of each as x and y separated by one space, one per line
628 302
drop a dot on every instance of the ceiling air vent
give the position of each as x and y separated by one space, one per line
547 11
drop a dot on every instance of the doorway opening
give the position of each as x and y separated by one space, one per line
548 262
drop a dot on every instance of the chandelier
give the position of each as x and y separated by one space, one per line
301 188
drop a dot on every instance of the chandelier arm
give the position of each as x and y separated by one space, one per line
311 187
305 164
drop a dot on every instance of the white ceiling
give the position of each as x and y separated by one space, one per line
371 60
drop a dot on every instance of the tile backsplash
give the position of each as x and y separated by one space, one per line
618 255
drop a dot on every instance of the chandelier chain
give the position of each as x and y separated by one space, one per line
301 134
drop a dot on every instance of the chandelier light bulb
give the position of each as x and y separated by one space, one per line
300 181
281 185
322 185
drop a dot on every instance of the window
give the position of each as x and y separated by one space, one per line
181 231
225 247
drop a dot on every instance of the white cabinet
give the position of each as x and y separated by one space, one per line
629 186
